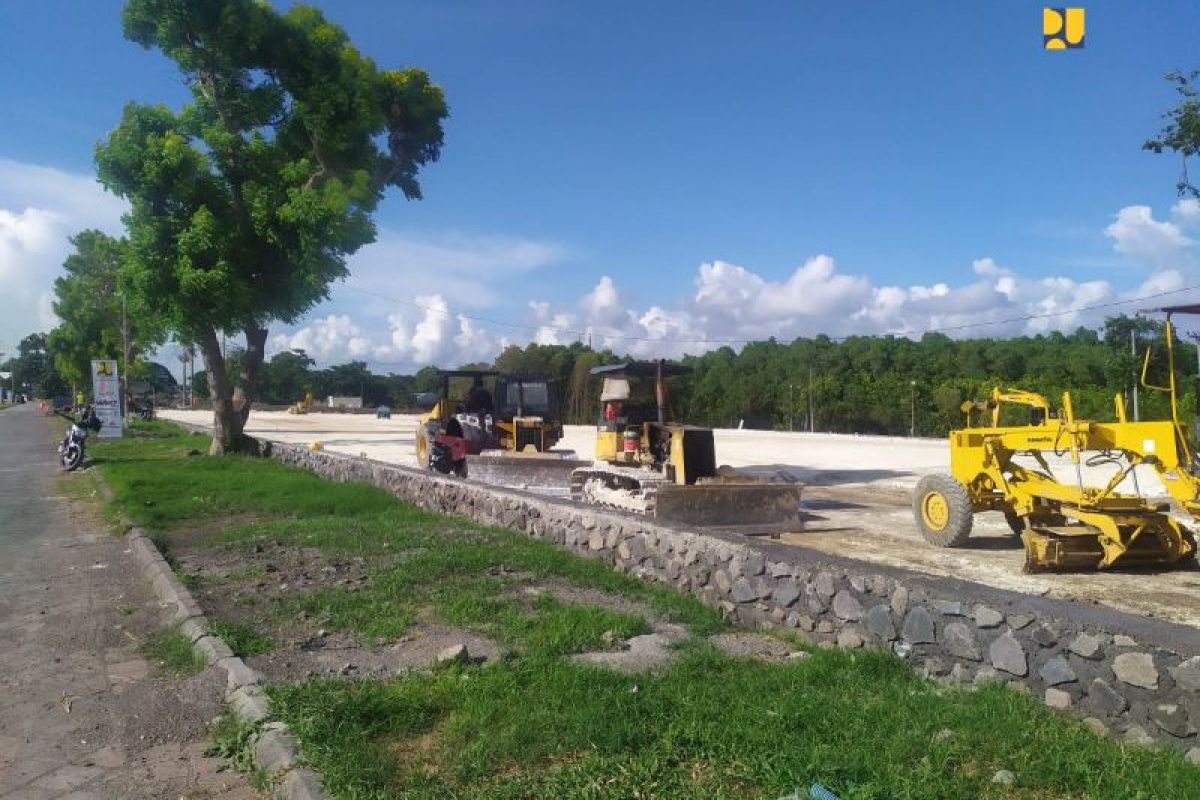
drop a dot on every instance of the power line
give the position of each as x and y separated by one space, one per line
585 334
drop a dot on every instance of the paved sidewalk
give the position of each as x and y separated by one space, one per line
82 715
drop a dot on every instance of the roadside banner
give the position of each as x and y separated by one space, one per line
106 394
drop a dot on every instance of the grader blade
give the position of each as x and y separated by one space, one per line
729 504
1142 540
539 470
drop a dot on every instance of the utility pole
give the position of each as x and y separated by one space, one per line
792 404
125 368
811 413
1133 349
912 428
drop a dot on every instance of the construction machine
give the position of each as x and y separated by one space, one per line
1070 524
648 464
507 423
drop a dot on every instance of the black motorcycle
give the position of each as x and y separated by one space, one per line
70 449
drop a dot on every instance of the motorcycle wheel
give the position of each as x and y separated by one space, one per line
73 457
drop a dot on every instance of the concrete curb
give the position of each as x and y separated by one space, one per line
276 751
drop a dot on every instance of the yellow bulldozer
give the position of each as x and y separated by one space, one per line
650 465
1070 523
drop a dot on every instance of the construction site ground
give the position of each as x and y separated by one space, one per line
857 501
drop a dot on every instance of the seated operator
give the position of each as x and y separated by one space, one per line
479 399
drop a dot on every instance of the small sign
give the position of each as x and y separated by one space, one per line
106 394
1062 28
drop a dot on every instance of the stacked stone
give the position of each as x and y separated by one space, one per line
1144 694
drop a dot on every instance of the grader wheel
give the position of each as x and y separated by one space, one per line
942 511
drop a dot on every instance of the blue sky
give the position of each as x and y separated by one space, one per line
666 175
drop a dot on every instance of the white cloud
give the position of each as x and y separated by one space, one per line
40 208
1154 243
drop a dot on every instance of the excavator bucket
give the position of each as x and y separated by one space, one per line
546 470
720 503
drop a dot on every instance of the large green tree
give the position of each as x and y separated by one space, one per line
87 300
247 201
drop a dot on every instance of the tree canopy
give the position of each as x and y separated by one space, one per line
246 202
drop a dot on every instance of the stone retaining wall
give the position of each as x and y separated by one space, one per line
1129 676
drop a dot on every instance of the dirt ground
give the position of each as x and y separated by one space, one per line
857 495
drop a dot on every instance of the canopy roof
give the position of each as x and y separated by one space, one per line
641 369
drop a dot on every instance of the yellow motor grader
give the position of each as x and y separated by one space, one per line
1069 525
651 465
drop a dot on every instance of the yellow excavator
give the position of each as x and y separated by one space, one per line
650 465
1069 524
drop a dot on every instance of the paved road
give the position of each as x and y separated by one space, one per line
82 715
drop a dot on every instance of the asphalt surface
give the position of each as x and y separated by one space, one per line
82 714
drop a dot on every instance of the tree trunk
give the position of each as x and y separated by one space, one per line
231 405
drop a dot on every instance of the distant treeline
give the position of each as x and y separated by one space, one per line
863 384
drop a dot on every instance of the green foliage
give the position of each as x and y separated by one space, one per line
242 639
172 653
1181 133
232 739
87 300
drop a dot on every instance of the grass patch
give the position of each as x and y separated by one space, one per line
707 727
172 653
232 739
243 640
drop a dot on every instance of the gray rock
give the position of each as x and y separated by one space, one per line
900 602
1057 671
1085 645
1098 727
1004 777
1106 699
723 581
454 654
1136 734
879 623
985 674
1172 719
1007 655
825 626
824 585
744 591
1045 636
858 583
960 673
1136 669
780 569
786 593
1121 640
849 639
1057 698
918 627
950 608
988 617
1018 621
805 623
1187 674
847 607
959 640
756 564
1193 755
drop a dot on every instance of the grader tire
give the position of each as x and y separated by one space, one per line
942 511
